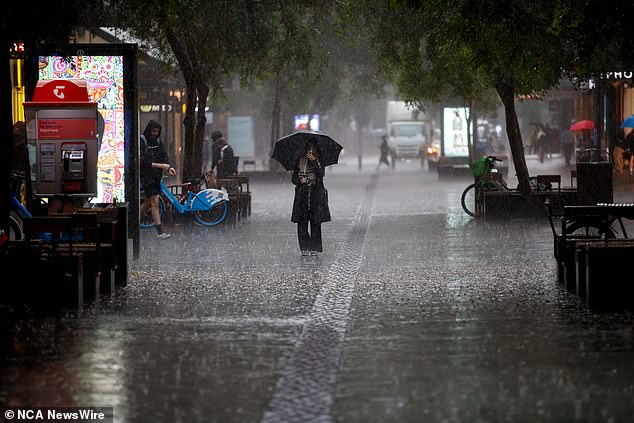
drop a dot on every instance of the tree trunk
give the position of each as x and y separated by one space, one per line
195 100
507 95
362 118
276 119
199 135
469 114
189 122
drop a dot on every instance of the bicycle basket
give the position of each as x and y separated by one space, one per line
480 166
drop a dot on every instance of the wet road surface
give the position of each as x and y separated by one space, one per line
415 312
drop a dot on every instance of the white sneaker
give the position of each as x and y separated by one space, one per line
163 236
314 253
305 253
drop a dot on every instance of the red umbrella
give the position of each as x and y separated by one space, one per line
582 124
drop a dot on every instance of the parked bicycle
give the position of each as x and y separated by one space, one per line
208 206
17 211
16 214
487 178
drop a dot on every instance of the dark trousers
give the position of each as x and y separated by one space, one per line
309 241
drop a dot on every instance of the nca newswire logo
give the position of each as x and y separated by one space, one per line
75 414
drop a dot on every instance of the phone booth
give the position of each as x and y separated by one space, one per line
61 128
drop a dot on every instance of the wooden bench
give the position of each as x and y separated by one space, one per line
55 271
86 239
584 225
547 181
83 253
600 281
571 224
113 223
245 194
233 187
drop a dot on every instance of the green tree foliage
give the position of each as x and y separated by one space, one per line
319 58
294 75
292 49
598 34
209 41
462 48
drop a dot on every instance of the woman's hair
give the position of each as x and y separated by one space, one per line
311 145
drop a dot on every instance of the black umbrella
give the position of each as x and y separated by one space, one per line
290 148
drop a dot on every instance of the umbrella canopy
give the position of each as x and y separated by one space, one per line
582 124
628 123
290 148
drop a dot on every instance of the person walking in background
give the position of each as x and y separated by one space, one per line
567 145
153 162
385 151
393 158
532 140
226 159
618 153
629 147
215 152
310 205
541 142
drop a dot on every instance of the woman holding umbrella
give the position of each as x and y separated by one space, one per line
310 206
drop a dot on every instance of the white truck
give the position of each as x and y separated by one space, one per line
406 130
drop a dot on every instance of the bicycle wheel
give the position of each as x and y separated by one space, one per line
602 230
147 221
468 201
214 215
15 228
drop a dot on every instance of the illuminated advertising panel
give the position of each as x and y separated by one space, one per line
104 76
307 121
455 141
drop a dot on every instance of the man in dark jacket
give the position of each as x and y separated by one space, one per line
153 162
215 151
226 165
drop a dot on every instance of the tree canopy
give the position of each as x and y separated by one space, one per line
464 49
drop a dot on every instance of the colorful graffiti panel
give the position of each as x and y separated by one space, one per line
104 78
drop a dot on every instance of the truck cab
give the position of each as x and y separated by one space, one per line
406 130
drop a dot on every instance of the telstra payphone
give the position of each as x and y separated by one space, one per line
61 125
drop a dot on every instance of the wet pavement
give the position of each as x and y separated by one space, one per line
415 312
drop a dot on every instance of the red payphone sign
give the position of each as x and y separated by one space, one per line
68 129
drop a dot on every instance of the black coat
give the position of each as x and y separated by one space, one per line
228 165
151 150
310 204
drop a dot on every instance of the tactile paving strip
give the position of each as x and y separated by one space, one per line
304 393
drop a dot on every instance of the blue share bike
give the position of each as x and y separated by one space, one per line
17 213
208 206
